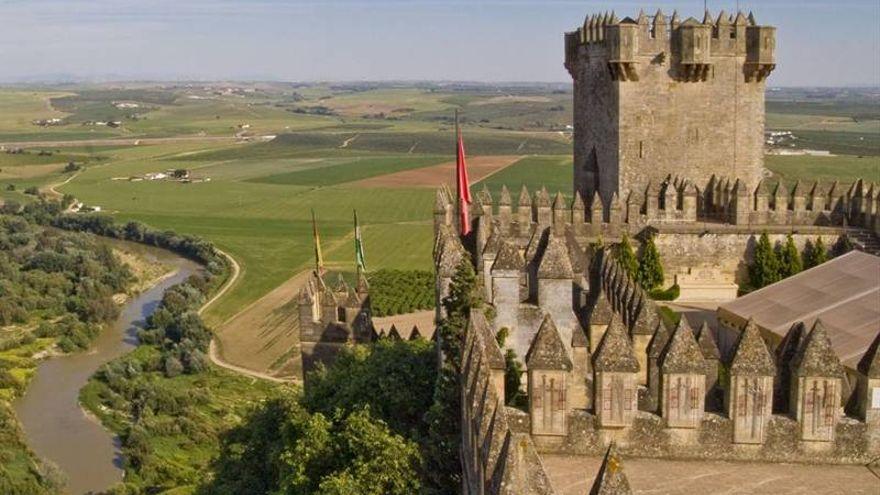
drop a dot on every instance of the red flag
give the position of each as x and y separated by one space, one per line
463 188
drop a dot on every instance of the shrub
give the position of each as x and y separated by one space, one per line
669 294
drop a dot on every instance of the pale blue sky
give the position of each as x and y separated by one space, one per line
820 43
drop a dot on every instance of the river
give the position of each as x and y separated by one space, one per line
55 425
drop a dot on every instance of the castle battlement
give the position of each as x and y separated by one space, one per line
675 202
692 45
622 377
655 97
331 317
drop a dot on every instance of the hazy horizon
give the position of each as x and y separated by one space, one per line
820 44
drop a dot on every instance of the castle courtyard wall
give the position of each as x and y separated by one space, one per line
713 440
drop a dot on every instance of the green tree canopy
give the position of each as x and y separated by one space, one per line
650 270
627 257
789 259
394 378
283 449
815 253
764 269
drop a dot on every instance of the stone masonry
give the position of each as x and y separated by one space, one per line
668 141
657 96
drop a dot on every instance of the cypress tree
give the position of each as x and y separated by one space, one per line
790 261
820 253
815 253
650 272
627 257
765 266
843 245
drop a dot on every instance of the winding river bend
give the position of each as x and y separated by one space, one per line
57 429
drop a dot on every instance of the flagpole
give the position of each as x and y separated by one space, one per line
458 205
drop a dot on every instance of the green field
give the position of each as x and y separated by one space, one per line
257 203
845 169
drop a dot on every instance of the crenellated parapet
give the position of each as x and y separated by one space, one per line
331 317
675 201
693 45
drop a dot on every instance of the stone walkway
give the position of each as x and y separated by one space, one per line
573 475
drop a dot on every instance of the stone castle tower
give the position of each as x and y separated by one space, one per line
657 96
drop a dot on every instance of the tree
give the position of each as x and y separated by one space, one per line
281 448
441 449
815 253
789 259
765 266
650 271
843 245
627 257
395 379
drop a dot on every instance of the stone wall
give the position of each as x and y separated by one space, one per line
647 104
731 253
649 437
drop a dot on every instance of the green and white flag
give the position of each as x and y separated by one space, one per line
359 245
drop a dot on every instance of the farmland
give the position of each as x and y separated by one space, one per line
333 148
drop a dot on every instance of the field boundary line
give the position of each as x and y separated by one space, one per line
212 346
519 158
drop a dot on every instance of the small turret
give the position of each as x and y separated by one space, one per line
695 56
548 366
599 317
712 361
495 358
616 369
505 212
684 381
780 198
750 394
760 51
816 386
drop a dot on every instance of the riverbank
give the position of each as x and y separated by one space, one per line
56 427
24 347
